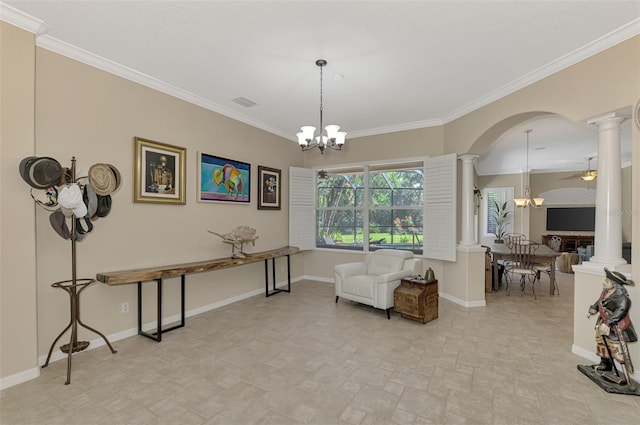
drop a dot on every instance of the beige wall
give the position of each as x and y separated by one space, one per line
404 144
18 328
94 116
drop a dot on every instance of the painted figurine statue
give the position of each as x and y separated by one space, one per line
614 331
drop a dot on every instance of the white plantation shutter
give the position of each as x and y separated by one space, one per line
302 212
440 175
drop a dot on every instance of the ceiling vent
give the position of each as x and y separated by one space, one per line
243 101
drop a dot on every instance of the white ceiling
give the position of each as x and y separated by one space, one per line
403 64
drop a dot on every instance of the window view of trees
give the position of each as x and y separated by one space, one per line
390 216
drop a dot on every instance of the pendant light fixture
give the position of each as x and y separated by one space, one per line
334 139
589 174
527 199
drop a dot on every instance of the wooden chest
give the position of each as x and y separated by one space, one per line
417 299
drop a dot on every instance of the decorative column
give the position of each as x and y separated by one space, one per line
608 235
468 222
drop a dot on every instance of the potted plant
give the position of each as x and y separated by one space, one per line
501 217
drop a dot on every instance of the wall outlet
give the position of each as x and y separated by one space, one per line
124 307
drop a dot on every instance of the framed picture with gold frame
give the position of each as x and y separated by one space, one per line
269 188
159 172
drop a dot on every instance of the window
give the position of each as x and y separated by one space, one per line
490 196
379 204
408 204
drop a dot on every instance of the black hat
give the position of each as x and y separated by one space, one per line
104 205
617 277
40 172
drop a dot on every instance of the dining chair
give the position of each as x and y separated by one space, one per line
546 269
521 264
511 238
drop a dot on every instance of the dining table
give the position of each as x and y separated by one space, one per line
543 255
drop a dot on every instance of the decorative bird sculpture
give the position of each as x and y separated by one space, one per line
237 238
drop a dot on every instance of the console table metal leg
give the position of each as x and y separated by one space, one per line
157 335
288 274
273 276
273 273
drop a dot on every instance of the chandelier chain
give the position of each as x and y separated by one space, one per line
321 109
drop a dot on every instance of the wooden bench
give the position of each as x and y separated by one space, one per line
125 277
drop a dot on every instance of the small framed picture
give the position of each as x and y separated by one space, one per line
159 172
223 180
269 188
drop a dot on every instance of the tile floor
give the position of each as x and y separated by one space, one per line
300 358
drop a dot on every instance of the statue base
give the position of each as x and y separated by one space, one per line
610 382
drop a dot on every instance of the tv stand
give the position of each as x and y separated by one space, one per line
570 243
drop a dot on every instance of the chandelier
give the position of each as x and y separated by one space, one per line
334 138
527 199
589 174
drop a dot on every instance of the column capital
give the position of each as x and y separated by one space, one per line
611 117
468 157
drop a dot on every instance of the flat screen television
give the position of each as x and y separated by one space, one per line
578 219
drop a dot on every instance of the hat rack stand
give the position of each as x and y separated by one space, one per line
74 288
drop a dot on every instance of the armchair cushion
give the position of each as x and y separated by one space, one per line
385 261
373 281
350 269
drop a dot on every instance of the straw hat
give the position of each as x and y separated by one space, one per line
103 179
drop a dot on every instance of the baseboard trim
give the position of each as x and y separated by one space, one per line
318 279
19 378
467 304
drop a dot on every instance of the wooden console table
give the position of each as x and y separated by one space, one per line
125 277
417 299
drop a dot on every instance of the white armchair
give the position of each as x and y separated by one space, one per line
373 281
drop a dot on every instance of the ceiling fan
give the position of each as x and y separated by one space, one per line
587 175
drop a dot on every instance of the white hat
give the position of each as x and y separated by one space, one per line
71 197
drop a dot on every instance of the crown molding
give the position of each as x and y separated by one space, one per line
395 128
96 61
39 28
614 37
21 20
